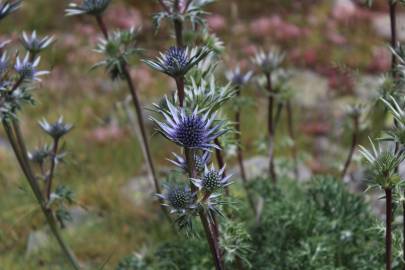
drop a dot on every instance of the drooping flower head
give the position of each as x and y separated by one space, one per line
268 62
212 180
56 130
200 161
237 78
178 198
176 61
35 44
27 69
189 130
8 7
90 7
40 154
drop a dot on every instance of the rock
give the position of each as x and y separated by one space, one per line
139 190
311 87
366 87
36 240
381 24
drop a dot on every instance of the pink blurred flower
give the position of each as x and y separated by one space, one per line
123 17
344 10
336 38
381 61
216 22
106 134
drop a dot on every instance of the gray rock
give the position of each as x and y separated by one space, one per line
139 190
36 241
381 24
312 88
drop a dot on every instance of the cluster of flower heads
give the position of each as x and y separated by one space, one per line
17 74
195 132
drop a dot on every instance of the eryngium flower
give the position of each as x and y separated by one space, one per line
212 180
383 163
189 130
200 161
27 69
117 49
176 62
8 7
178 198
268 62
34 44
237 78
39 155
91 7
56 130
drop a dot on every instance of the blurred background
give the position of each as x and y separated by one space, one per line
337 51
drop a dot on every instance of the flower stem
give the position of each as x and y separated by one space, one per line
352 147
139 113
209 233
240 155
270 123
51 170
18 146
180 90
388 228
393 26
292 136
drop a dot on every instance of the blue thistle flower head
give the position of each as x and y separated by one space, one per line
200 161
268 61
56 130
237 78
212 180
176 62
179 198
27 69
189 130
8 7
35 44
90 7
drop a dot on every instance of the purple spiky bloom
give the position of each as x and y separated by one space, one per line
212 180
189 130
237 78
8 7
3 63
27 69
178 198
35 44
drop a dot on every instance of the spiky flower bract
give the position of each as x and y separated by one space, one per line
27 69
90 7
191 11
200 161
269 61
117 49
3 63
189 130
8 7
382 165
40 154
57 129
237 78
176 62
212 180
34 44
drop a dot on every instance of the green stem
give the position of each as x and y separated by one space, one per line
270 122
19 149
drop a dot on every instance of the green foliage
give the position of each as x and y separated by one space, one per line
320 227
